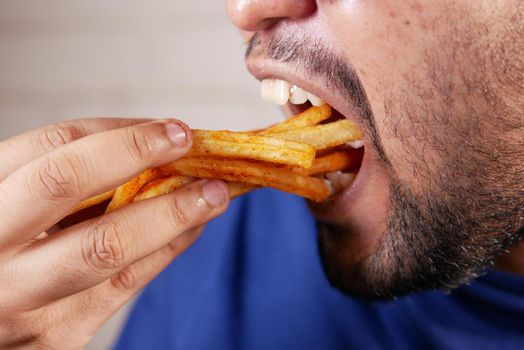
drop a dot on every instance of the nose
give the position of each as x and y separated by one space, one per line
255 15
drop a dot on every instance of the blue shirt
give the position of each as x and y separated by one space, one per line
254 281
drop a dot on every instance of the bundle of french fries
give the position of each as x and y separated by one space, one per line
283 156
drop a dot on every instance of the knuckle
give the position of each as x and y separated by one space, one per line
173 246
178 216
125 279
57 135
142 145
103 248
59 177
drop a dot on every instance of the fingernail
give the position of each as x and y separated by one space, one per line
214 193
176 134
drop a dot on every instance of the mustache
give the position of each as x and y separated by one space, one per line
319 61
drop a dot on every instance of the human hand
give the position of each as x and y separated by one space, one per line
58 288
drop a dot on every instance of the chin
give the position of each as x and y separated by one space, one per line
413 251
349 273
374 277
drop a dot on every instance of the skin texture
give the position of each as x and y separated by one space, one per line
68 275
437 88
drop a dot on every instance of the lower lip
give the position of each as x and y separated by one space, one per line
333 209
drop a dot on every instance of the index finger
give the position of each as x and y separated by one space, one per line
41 193
21 149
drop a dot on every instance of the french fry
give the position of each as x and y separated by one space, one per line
325 135
238 188
282 157
159 187
91 202
310 117
169 184
125 193
230 144
255 173
332 162
340 160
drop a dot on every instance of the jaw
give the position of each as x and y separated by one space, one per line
354 219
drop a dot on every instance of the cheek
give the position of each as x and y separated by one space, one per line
387 43
383 40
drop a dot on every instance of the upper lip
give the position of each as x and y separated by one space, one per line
265 69
270 70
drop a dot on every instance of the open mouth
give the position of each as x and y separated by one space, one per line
296 100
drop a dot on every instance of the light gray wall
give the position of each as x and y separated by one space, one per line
64 59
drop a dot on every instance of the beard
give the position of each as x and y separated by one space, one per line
457 188
465 207
430 243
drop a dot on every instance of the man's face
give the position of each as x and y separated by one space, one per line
437 88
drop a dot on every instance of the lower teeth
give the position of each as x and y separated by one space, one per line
356 144
339 180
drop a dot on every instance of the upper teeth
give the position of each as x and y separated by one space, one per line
280 91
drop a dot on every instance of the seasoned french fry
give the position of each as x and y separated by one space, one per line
238 188
246 146
161 186
340 160
324 135
169 184
282 157
91 202
255 173
310 117
124 194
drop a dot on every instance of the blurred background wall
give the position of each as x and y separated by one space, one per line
65 59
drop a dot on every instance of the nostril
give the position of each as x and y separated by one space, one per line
268 23
255 15
248 15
